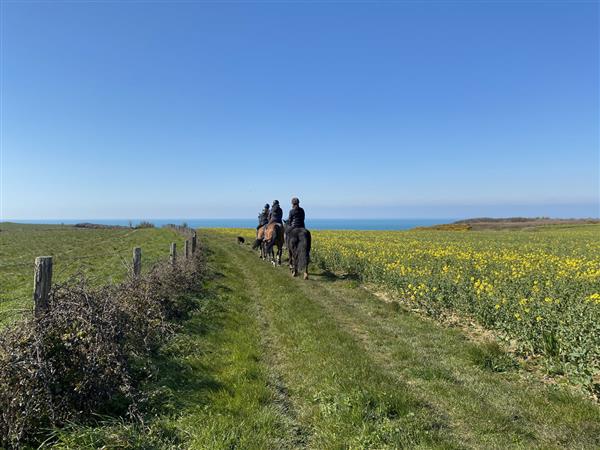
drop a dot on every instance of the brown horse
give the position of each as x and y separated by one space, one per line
274 237
259 242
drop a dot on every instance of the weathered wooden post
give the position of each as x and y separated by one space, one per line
186 248
194 242
173 253
137 261
42 282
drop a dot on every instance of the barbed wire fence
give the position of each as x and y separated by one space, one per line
69 264
20 259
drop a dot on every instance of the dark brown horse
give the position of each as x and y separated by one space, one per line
274 237
298 242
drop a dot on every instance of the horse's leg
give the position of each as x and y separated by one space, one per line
272 255
306 267
295 264
308 246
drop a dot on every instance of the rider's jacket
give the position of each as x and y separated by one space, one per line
276 214
296 218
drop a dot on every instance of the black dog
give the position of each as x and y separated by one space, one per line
240 240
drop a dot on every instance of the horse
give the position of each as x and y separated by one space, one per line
298 241
274 237
258 242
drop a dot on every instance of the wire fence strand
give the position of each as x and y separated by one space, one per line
72 265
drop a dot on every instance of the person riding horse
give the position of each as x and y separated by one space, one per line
296 215
263 220
274 235
298 240
263 217
276 214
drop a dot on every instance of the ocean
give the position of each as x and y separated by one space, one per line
315 224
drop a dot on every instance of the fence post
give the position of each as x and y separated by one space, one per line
173 253
137 261
186 248
42 282
194 242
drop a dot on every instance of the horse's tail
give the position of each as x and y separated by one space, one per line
256 244
303 250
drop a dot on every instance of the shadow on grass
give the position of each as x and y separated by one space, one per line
327 275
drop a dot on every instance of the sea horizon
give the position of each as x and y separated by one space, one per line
316 223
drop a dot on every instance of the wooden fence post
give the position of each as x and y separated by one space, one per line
137 261
186 248
42 282
194 243
173 253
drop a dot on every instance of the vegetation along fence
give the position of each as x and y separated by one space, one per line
44 267
86 350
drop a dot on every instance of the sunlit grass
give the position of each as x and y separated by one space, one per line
102 255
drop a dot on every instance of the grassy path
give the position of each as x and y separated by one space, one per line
275 362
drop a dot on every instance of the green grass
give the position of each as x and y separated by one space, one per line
271 362
213 389
275 362
103 255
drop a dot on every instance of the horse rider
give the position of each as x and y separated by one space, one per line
296 216
276 214
263 217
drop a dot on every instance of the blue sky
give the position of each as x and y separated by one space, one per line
389 109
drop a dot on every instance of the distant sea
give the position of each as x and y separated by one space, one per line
315 224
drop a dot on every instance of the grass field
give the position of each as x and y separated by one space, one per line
103 255
272 362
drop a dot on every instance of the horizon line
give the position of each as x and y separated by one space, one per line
312 218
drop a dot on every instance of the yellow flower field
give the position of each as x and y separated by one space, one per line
538 288
541 289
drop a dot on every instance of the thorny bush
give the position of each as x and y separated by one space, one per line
85 356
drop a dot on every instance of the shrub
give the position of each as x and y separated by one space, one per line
145 224
82 356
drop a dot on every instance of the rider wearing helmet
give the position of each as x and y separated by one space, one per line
263 217
296 216
276 214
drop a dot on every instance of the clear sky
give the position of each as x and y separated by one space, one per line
362 109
